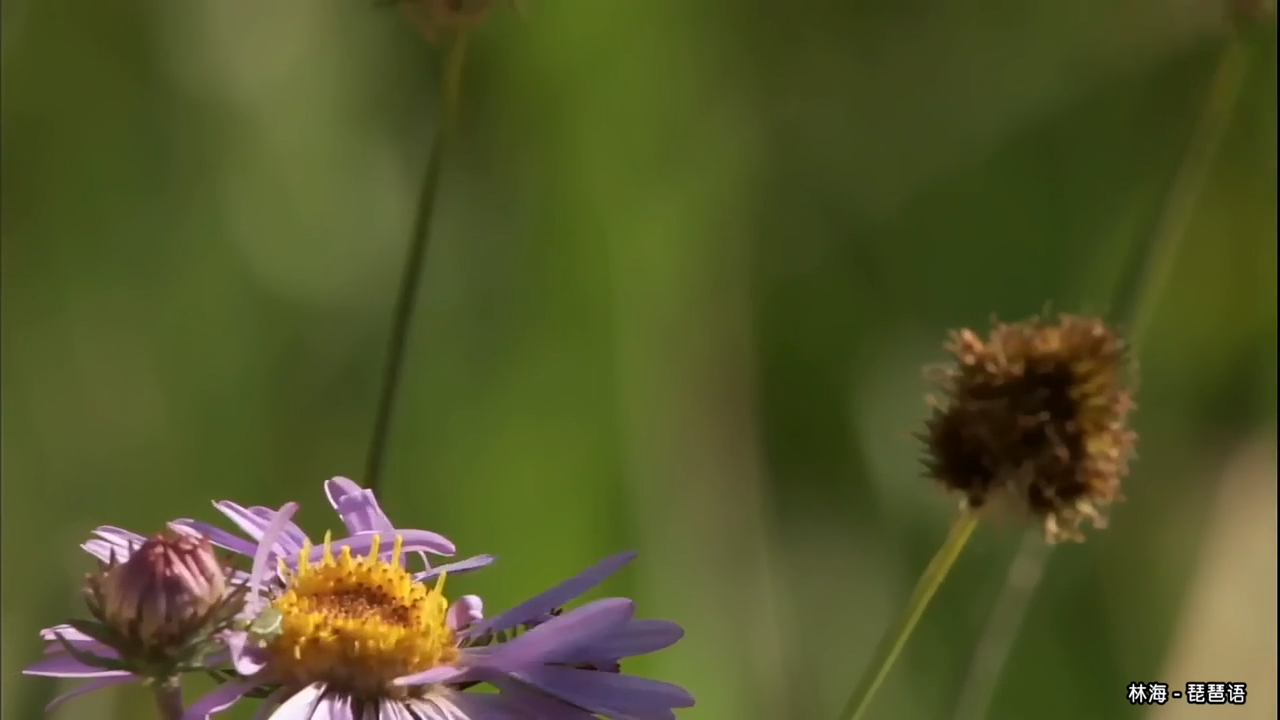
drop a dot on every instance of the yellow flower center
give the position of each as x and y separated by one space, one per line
357 623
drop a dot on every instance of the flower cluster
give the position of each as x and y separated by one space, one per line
350 628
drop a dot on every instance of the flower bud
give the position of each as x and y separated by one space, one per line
164 590
161 607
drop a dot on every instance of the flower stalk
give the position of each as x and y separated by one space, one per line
895 639
168 697
411 274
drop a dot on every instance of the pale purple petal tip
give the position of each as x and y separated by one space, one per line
456 568
541 605
465 611
112 543
637 637
66 632
357 506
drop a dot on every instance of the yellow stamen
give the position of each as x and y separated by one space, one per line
357 623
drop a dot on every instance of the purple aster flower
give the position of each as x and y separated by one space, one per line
347 632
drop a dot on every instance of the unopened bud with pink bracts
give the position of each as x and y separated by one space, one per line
162 607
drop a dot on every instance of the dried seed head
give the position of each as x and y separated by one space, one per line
1035 416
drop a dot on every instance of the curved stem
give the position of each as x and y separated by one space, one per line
411 274
895 638
168 697
1133 305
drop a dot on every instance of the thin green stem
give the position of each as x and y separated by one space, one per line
168 697
411 274
1133 305
1136 295
895 638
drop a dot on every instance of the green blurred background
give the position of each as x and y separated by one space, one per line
690 260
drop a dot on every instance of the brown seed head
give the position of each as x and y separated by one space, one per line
1035 415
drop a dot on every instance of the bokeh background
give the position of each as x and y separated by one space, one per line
690 260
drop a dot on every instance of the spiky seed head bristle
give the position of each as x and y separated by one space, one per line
1035 415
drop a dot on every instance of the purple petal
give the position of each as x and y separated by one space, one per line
67 666
267 543
256 527
216 535
608 694
562 639
90 646
342 707
292 538
537 703
471 563
112 543
557 596
99 684
357 506
220 699
359 511
465 611
475 706
638 637
68 633
305 704
412 540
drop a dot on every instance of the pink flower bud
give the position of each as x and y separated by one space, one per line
163 593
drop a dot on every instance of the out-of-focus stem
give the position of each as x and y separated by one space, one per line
1133 305
411 274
